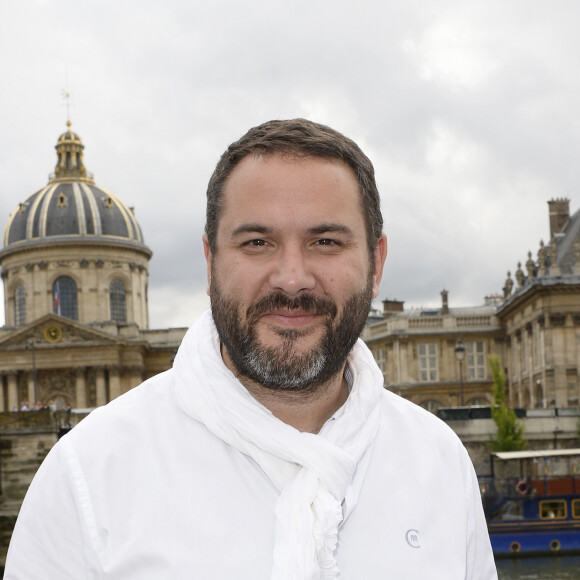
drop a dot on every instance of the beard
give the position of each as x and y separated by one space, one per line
283 366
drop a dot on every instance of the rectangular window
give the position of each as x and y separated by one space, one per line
516 358
475 360
428 369
537 347
576 508
20 306
381 358
554 509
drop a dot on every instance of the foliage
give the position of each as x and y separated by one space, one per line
510 431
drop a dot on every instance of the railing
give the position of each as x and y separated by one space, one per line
43 419
71 173
418 324
426 322
463 321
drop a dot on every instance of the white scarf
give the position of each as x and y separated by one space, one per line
319 476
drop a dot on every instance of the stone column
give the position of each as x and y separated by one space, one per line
12 391
31 389
561 387
135 377
559 354
3 394
114 382
101 387
81 388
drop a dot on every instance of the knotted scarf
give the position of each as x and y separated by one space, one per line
319 476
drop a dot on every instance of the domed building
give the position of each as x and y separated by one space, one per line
75 270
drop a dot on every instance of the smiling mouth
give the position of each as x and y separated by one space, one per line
282 310
291 318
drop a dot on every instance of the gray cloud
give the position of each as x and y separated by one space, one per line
468 111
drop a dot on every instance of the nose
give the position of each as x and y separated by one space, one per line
292 272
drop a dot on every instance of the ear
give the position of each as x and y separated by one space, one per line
208 259
379 257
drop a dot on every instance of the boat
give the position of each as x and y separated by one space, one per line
531 501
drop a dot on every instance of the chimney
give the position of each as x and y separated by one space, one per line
444 302
559 210
391 307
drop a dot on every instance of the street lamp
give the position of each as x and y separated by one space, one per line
460 355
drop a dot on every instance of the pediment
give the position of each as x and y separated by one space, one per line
53 330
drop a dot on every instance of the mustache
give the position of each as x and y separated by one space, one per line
304 302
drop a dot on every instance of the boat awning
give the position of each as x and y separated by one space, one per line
537 453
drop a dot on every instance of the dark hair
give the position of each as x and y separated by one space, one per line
304 139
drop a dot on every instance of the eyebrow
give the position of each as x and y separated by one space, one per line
330 228
252 229
317 230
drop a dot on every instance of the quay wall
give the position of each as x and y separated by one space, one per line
550 432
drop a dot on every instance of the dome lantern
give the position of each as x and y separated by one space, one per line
69 165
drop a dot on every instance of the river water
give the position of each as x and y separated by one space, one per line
551 568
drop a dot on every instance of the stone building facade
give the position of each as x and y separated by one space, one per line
541 318
416 351
74 266
534 328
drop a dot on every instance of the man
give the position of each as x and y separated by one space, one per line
271 449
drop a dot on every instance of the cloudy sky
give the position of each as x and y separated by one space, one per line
469 111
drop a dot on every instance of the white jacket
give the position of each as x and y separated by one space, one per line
141 490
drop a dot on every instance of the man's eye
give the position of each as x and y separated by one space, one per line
326 242
257 243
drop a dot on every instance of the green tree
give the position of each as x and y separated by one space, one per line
510 431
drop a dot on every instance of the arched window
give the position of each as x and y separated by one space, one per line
64 298
19 306
118 301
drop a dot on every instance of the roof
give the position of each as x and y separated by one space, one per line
484 310
71 208
506 455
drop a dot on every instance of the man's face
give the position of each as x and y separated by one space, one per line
291 279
